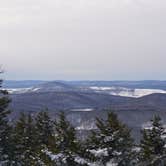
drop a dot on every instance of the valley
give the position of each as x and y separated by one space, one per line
84 101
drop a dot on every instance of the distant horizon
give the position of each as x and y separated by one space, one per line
83 80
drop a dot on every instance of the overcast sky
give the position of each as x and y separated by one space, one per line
83 39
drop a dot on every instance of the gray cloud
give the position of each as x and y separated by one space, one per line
83 39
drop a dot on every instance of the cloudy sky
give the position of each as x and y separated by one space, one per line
83 39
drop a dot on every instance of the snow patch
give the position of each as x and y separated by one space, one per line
89 126
99 152
22 90
83 110
126 92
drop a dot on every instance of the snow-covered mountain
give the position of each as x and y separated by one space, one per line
56 86
53 86
126 92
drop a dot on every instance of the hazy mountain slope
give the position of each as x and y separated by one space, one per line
21 84
149 84
71 100
60 95
153 84
62 86
64 100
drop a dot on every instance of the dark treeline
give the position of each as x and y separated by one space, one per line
41 141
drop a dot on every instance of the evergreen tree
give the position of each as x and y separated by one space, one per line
68 149
153 150
111 143
44 127
25 142
5 128
44 136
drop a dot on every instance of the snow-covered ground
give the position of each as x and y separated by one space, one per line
126 92
22 90
83 110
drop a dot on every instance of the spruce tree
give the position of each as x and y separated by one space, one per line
25 141
111 143
44 136
44 127
5 128
68 149
153 150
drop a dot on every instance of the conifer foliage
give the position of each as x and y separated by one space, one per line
25 142
44 136
44 127
153 149
112 142
68 148
5 129
40 141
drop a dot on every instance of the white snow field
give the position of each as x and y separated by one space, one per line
126 92
116 91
